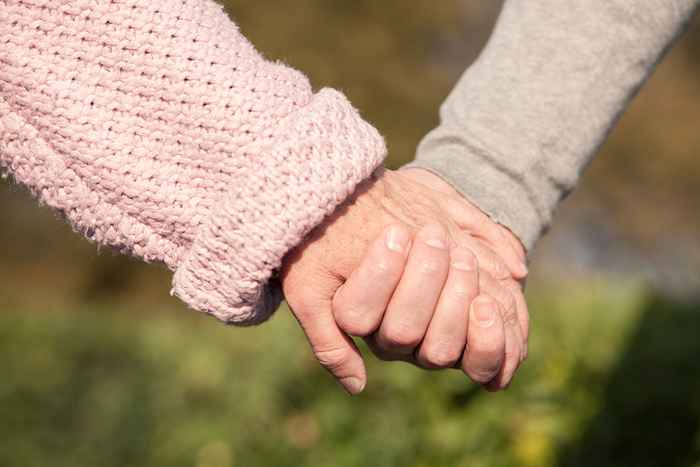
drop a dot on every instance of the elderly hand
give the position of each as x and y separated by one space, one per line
400 263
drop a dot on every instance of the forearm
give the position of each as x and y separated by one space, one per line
526 119
155 127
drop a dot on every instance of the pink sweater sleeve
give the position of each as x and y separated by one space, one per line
155 127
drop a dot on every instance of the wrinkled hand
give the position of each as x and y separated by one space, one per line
399 264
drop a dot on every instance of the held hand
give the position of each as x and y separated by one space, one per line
418 302
314 274
508 291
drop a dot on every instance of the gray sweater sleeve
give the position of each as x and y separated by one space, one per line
527 117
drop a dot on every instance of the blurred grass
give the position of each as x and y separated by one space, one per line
98 386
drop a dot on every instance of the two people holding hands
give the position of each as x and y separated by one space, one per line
424 276
156 128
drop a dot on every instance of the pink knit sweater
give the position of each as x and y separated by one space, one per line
155 127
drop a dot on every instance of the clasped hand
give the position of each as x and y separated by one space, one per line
420 273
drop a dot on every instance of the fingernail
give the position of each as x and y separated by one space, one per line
463 261
484 313
397 239
434 235
353 385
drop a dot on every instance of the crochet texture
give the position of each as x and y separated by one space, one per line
155 127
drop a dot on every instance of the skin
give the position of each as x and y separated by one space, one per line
420 273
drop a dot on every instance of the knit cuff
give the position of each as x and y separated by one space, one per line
309 165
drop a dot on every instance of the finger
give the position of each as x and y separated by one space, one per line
359 304
504 294
333 349
473 220
500 291
522 312
413 303
508 247
486 338
511 359
387 355
515 243
446 337
489 261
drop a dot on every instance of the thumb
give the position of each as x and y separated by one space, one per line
331 346
311 275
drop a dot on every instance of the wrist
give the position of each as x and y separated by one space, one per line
438 183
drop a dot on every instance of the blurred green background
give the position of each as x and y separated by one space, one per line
100 366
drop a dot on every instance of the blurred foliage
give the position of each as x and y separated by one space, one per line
393 58
100 366
96 387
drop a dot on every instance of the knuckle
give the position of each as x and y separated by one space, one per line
520 305
383 268
355 321
482 375
399 337
430 265
511 319
440 356
463 291
380 352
